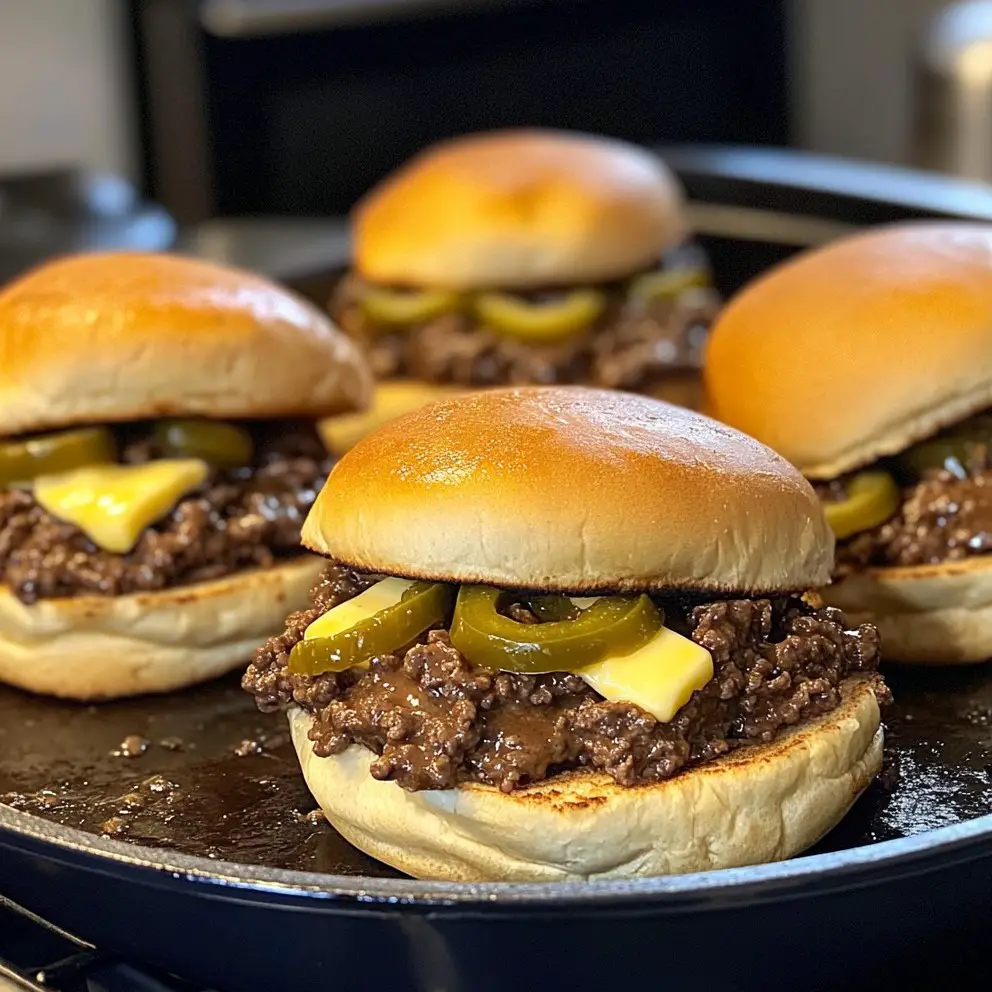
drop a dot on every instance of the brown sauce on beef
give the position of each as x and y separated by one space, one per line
434 721
240 519
943 517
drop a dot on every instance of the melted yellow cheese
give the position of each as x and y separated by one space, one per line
660 677
390 400
366 604
113 504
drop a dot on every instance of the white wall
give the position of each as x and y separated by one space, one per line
63 95
851 65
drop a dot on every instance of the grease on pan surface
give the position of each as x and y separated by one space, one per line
204 773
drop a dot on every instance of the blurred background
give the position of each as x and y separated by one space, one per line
232 108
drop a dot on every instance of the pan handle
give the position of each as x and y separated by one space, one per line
818 192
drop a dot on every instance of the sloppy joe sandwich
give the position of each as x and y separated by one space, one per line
158 454
868 364
563 635
525 256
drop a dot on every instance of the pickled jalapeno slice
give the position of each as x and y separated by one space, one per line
422 606
540 321
218 443
549 608
612 625
872 497
667 284
949 453
392 308
952 450
50 454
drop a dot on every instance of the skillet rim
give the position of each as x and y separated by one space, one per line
866 865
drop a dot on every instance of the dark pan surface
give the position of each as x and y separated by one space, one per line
218 780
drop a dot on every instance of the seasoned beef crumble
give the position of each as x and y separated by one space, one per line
945 516
434 721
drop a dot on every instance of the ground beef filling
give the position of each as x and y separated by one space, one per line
942 517
631 346
236 520
434 721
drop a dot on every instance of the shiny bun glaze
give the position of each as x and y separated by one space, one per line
572 489
518 209
854 351
123 336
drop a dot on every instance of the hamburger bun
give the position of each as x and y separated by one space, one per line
105 647
854 351
926 614
571 489
119 336
518 209
761 803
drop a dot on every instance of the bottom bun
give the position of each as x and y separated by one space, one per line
762 803
925 614
105 647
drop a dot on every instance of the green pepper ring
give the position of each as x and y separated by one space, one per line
613 625
216 442
49 454
421 606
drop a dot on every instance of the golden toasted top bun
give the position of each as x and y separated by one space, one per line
111 337
853 351
761 803
571 489
518 209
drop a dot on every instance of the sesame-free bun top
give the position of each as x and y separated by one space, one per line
518 209
853 351
120 336
571 489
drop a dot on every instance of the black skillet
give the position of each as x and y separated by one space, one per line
222 876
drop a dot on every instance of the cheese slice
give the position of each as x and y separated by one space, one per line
390 400
660 676
113 504
366 604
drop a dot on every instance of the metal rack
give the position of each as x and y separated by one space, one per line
36 956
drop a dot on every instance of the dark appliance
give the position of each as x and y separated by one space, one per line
298 106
